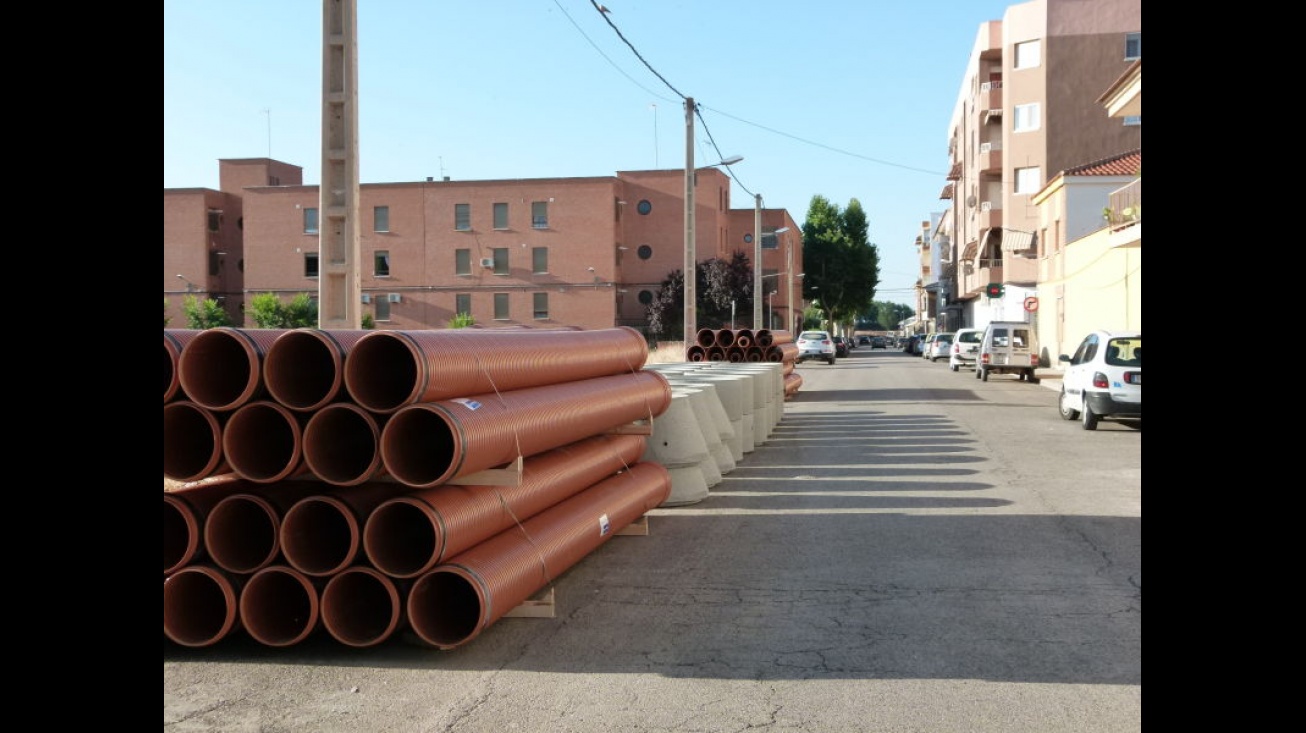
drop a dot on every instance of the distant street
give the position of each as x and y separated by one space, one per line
912 549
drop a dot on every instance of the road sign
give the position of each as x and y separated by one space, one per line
1031 304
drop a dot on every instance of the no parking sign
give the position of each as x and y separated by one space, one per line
1031 304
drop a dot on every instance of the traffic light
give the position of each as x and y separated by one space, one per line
995 290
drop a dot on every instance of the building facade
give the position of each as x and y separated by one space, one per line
550 252
1028 109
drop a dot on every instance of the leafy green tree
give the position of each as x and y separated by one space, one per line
166 318
204 314
368 321
842 267
462 320
884 316
267 311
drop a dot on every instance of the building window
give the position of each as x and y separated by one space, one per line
644 251
215 220
645 297
769 239
382 307
748 238
500 260
381 263
310 221
1025 118
540 260
462 304
500 306
462 262
541 306
1027 54
540 214
1133 120
380 218
1027 180
462 217
500 216
310 264
1133 46
644 207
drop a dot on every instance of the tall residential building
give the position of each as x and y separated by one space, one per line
1028 109
547 252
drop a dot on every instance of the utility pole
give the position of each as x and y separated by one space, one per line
339 287
757 261
691 276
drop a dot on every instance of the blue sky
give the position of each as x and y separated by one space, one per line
847 99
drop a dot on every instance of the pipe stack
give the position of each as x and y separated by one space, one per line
318 478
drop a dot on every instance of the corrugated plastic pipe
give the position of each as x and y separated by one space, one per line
725 338
174 340
754 354
793 383
242 532
387 370
362 607
192 441
765 337
222 368
342 444
744 337
408 535
735 354
323 534
705 337
304 369
263 441
279 606
184 512
200 605
716 353
696 353
429 443
456 601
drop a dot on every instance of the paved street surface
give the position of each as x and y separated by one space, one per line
912 550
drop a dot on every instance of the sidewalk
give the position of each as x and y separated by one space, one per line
1049 377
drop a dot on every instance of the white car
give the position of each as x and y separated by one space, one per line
965 348
938 346
815 345
1103 380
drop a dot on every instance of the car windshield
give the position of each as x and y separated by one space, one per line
1125 352
971 337
813 335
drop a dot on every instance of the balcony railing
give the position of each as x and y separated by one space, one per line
1125 205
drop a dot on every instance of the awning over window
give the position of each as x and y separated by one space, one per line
971 250
947 191
955 173
992 114
1018 241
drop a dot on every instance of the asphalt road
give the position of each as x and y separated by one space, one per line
911 549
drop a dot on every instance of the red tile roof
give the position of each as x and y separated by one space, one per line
1125 164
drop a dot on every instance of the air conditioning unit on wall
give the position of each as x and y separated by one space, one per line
367 297
487 262
393 297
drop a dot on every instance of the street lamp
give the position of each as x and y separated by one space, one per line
690 268
190 286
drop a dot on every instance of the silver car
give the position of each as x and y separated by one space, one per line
937 346
815 345
965 348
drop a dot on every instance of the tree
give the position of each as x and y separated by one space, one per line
842 267
884 316
204 314
462 320
267 311
166 318
720 286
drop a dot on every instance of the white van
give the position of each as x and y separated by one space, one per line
1008 347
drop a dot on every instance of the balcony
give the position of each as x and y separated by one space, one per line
990 158
1124 215
990 95
990 215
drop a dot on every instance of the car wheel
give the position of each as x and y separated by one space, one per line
1064 406
977 372
830 360
1033 379
953 367
984 375
1088 418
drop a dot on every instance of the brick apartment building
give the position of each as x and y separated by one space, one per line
547 252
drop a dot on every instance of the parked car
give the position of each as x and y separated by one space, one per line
965 348
841 347
866 341
1008 347
1103 379
815 345
938 346
879 342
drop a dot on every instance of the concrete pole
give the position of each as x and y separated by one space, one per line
757 262
690 271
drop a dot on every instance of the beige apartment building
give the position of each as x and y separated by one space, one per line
548 252
1029 113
